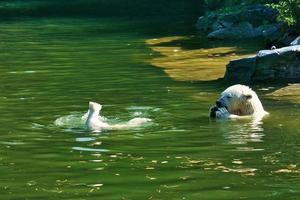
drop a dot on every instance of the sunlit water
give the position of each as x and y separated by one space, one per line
50 70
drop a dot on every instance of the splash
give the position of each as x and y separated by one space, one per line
97 123
72 121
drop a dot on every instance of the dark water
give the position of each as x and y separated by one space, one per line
51 68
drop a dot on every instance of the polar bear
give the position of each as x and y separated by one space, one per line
93 121
97 123
237 101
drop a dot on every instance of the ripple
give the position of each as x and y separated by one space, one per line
147 108
37 126
248 149
70 121
85 139
139 108
22 72
12 143
89 149
95 185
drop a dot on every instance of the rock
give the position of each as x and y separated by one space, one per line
221 25
244 30
271 29
286 39
277 65
241 70
296 41
204 23
238 31
247 22
259 12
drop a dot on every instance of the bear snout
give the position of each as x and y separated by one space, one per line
219 104
212 111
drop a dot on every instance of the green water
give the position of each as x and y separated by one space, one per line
51 68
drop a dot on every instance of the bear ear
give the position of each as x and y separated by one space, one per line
248 96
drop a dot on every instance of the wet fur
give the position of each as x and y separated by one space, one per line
237 101
95 123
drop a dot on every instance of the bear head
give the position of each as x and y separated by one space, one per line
238 100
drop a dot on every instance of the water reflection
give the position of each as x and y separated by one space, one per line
236 166
243 133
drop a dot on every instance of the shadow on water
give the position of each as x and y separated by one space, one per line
102 8
200 41
154 17
194 58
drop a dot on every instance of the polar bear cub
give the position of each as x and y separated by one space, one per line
93 121
96 123
237 101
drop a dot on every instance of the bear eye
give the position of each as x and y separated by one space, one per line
229 96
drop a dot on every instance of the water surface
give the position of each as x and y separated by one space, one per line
52 68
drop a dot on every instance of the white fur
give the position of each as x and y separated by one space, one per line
97 123
93 122
240 101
